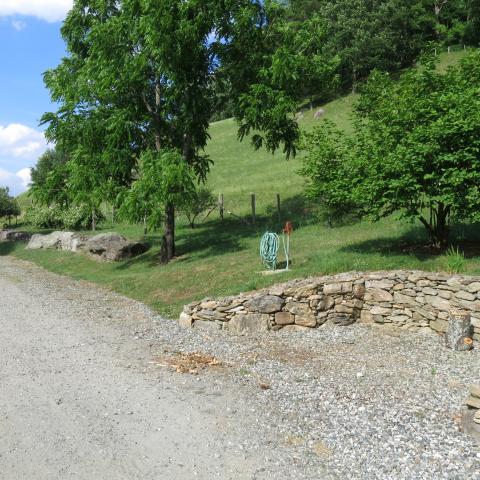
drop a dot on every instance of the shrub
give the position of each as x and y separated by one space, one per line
79 217
201 201
40 216
76 217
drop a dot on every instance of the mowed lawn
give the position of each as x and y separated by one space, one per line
221 258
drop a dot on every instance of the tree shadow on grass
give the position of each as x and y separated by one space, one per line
216 237
206 241
6 248
415 242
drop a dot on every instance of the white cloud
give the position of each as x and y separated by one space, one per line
49 10
20 148
19 25
20 141
16 182
25 175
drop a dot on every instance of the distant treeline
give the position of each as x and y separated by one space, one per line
385 34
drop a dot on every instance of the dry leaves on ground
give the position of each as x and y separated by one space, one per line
191 363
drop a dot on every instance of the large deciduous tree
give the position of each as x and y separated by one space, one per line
137 81
8 205
49 179
415 149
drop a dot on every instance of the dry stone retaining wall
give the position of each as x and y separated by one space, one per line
412 300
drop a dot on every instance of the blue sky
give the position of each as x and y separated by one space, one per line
30 43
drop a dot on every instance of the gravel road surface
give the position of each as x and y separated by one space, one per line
81 396
97 386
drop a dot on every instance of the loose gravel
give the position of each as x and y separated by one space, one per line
354 402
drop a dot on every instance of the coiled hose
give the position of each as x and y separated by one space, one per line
269 250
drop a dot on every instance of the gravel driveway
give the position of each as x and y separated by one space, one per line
96 386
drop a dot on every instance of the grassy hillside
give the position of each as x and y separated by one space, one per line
24 201
239 170
221 258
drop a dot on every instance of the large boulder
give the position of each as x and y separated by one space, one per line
57 240
113 247
14 236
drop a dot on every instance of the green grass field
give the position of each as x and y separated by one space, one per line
221 258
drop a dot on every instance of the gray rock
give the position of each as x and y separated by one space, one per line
366 317
277 290
445 294
14 236
295 328
399 319
474 287
185 320
440 326
210 315
472 401
343 309
475 390
342 320
378 295
266 304
359 291
465 295
340 287
253 322
382 284
438 303
284 318
57 240
404 299
207 325
376 310
113 247
308 320
298 308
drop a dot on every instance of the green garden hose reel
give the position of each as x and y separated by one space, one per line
269 246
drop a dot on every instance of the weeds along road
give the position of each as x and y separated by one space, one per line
81 397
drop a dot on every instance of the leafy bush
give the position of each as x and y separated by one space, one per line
40 216
76 217
79 217
201 201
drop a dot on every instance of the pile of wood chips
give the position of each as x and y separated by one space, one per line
192 363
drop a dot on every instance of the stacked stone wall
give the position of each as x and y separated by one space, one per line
412 300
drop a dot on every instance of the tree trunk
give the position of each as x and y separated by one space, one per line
94 226
158 105
167 251
145 229
459 333
437 227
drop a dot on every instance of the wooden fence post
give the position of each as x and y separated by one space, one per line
278 207
253 207
221 205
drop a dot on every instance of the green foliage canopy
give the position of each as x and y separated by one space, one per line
8 205
415 149
138 81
